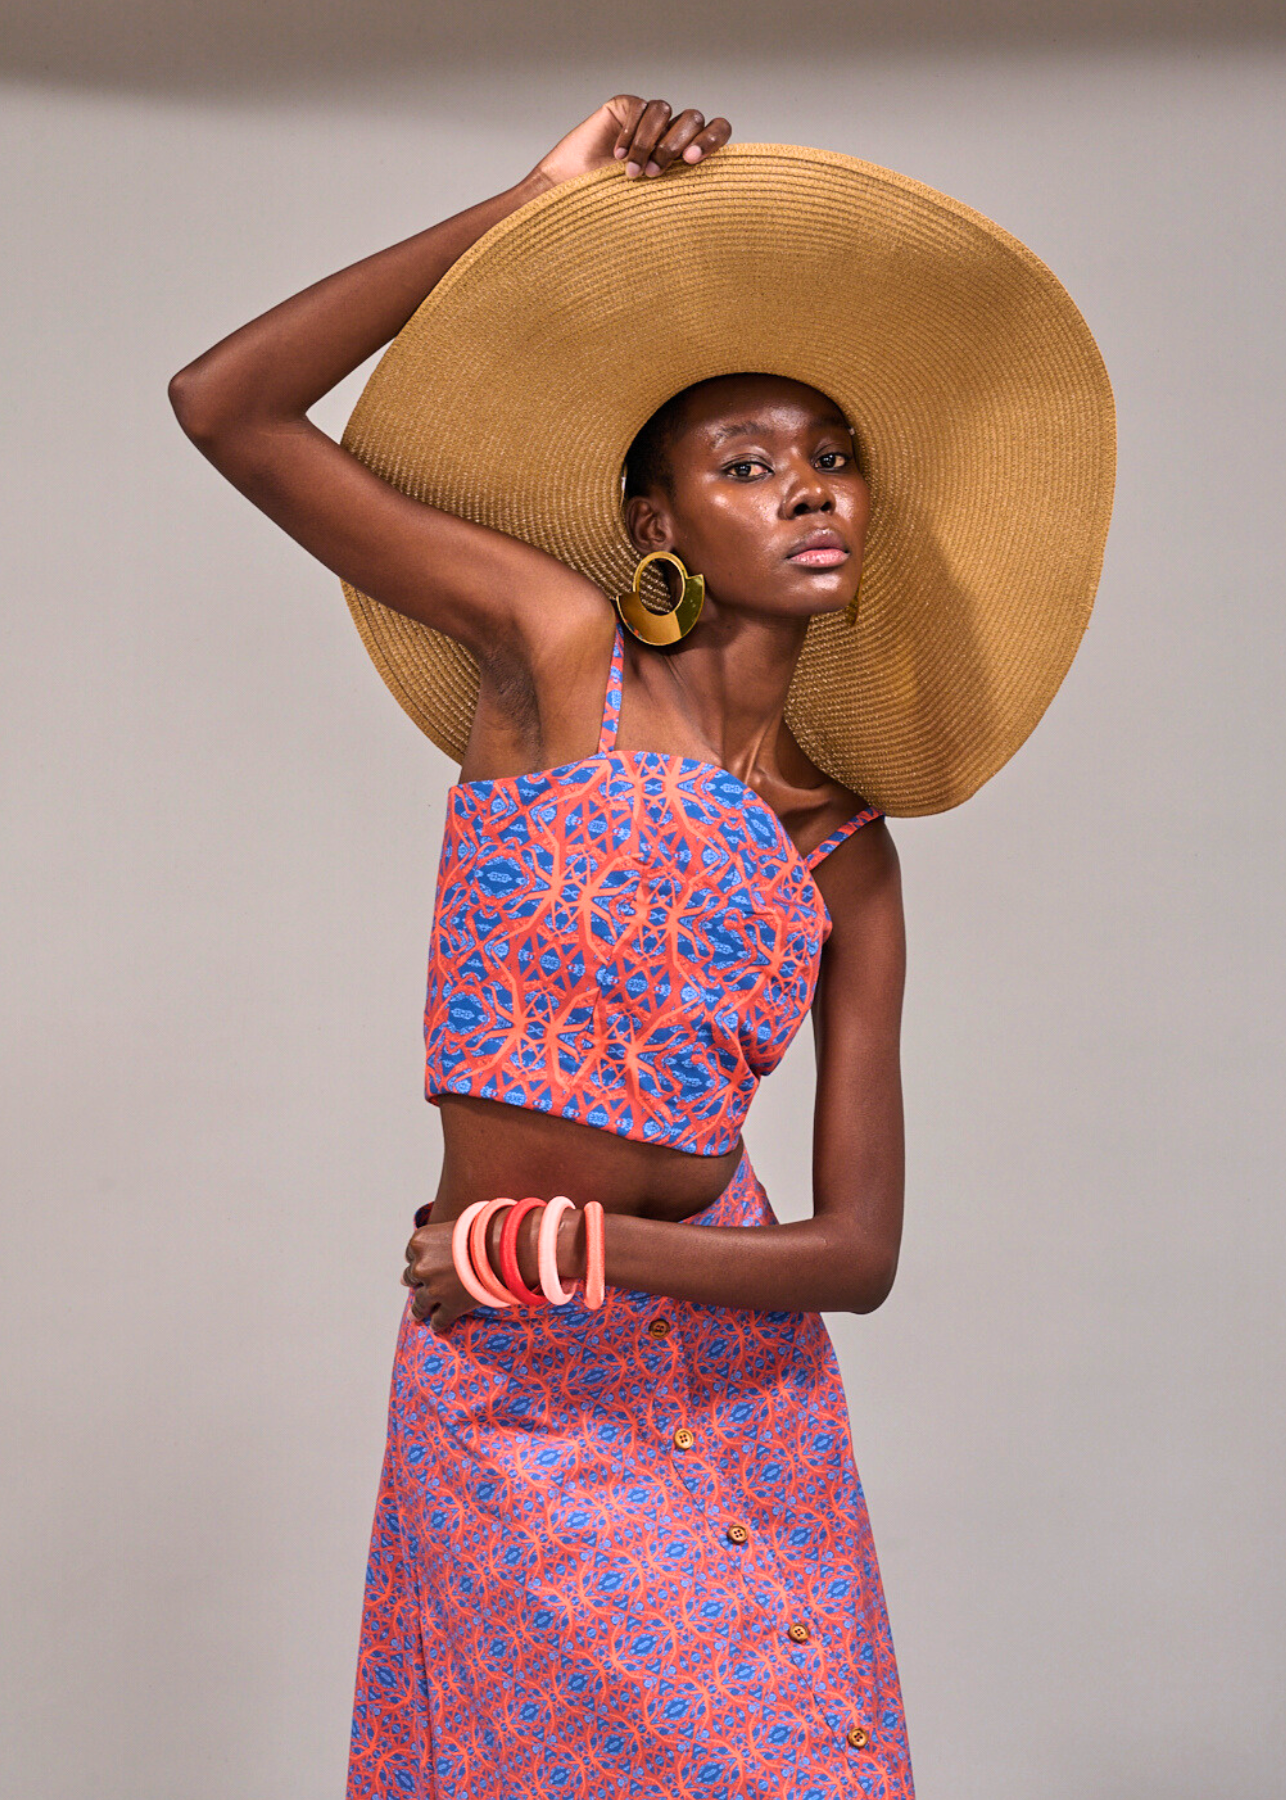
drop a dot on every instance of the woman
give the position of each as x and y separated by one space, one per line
622 1547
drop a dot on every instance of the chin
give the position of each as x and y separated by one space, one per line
813 596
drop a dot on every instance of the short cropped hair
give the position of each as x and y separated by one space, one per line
647 461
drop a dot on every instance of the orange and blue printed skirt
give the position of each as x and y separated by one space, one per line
625 1552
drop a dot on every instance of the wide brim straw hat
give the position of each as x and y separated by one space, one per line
981 408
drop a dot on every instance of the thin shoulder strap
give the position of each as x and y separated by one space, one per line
612 699
836 838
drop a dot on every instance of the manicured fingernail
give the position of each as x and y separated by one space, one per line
652 169
619 152
632 169
693 153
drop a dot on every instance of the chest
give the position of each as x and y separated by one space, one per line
640 896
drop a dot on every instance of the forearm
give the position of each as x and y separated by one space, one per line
817 1265
281 363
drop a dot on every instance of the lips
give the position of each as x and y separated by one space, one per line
820 550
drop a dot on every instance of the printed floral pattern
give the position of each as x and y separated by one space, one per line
625 1552
629 941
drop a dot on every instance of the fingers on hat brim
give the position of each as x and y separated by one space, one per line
648 133
714 137
684 130
634 109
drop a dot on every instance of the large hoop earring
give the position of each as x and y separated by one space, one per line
662 628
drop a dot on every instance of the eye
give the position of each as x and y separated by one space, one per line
745 469
832 459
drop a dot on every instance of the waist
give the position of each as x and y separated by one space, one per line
491 1148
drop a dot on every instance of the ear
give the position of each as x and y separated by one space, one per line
648 523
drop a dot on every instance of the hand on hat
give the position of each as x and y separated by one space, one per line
643 134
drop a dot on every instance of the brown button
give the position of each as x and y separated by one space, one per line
859 1737
798 1634
684 1439
737 1534
658 1328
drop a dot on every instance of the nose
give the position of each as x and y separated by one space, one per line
806 490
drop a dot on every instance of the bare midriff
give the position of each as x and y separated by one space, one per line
491 1149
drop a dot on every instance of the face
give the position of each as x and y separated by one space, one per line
766 500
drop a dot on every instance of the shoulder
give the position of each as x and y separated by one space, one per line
863 966
862 876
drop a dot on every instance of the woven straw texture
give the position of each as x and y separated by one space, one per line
980 402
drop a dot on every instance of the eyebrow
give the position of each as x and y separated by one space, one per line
750 427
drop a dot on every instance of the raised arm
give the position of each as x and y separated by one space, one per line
244 403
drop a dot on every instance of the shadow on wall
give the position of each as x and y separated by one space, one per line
246 47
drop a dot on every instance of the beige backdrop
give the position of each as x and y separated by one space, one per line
217 893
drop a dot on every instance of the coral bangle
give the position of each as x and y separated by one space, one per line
460 1253
594 1279
510 1273
547 1251
477 1251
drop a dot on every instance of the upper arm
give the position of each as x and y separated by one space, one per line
481 587
858 1157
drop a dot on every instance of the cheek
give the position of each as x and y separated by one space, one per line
861 513
734 525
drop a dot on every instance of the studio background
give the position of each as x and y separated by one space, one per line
221 843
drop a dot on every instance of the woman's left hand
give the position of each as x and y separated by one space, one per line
646 135
437 1293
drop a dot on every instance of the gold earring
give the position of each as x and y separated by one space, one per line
661 628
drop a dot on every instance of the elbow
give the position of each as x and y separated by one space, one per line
193 407
872 1282
214 412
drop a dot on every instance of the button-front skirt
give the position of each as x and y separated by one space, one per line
625 1552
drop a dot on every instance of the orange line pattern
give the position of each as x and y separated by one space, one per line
630 941
625 1552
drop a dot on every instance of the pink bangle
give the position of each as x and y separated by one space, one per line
547 1251
477 1248
507 1251
595 1282
460 1255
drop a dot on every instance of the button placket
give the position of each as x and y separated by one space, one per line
664 1352
803 1642
771 1587
803 1646
766 1583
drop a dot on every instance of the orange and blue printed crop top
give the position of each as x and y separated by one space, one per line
628 941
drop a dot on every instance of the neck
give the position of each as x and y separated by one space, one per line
734 673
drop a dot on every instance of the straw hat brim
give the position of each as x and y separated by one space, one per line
980 402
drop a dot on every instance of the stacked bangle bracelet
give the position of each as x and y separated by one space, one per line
510 1273
483 1284
594 1279
547 1251
461 1232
